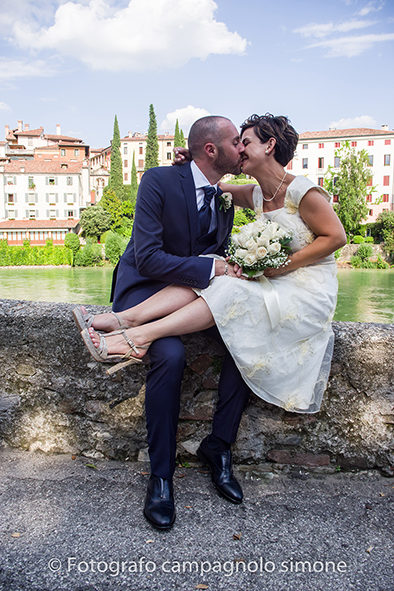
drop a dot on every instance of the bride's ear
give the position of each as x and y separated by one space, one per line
270 145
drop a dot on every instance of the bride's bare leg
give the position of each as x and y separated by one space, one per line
161 304
193 317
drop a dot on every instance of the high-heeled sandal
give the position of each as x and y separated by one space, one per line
100 353
85 319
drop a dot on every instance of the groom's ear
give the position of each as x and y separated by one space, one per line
210 150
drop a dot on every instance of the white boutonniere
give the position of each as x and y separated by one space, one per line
226 201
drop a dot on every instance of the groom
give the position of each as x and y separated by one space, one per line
177 218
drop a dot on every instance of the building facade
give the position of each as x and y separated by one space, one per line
316 152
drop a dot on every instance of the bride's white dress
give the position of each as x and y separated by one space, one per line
278 330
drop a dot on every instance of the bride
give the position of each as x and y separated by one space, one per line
277 328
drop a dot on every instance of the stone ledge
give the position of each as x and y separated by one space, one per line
54 398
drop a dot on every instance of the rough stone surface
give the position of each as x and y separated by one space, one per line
55 398
68 525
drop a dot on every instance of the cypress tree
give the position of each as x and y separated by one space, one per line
183 141
177 136
116 175
152 145
134 181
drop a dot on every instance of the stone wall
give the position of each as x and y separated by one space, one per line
55 398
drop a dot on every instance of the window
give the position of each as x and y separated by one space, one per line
320 162
369 183
386 181
386 198
370 142
70 213
30 141
387 142
51 180
335 198
290 165
69 180
140 150
370 160
320 181
52 214
126 176
304 146
335 180
387 159
140 164
168 144
321 145
62 152
369 197
168 155
370 212
125 149
305 163
69 198
126 163
337 144
354 144
11 180
30 182
32 214
76 152
11 199
337 162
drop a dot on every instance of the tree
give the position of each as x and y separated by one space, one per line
384 230
183 141
134 182
112 205
116 173
350 183
177 136
94 221
152 145
72 242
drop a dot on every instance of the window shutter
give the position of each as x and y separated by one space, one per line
57 213
27 213
14 180
26 197
47 213
47 197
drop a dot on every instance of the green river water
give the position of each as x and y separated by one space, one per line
365 295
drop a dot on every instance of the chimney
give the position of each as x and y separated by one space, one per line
20 125
7 130
385 127
27 126
58 129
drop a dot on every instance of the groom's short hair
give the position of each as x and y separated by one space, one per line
204 130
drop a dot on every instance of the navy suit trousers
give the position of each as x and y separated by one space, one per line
163 389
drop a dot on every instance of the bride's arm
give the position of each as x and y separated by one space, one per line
319 215
242 194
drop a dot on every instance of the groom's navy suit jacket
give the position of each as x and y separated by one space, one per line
165 241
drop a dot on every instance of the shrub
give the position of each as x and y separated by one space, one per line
381 264
337 253
114 247
369 239
89 255
356 262
240 219
357 239
364 251
71 241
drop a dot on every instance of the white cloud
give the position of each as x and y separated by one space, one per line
145 34
10 69
352 46
350 122
186 117
4 107
322 30
373 6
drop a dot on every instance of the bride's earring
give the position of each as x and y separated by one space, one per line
266 151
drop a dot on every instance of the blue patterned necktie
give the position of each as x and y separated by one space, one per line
205 211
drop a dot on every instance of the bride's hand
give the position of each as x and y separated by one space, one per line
181 155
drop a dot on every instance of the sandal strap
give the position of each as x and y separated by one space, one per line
118 318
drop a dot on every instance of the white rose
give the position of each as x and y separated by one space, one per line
239 253
274 248
251 244
234 239
262 241
250 259
261 252
270 231
242 240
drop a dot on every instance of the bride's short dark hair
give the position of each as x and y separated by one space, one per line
267 126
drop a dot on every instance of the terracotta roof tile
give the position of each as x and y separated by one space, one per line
341 133
31 132
42 166
37 224
49 136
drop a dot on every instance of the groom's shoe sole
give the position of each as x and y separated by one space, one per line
203 458
159 527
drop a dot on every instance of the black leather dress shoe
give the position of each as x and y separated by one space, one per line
159 507
222 475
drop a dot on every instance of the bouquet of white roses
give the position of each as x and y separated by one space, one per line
259 245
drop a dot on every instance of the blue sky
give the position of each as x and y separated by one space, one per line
77 63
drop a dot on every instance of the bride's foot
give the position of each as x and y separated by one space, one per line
117 344
106 322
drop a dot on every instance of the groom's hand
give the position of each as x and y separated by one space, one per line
226 268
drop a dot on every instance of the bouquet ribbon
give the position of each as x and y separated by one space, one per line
271 301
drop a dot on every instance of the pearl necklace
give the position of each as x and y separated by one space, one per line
276 192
